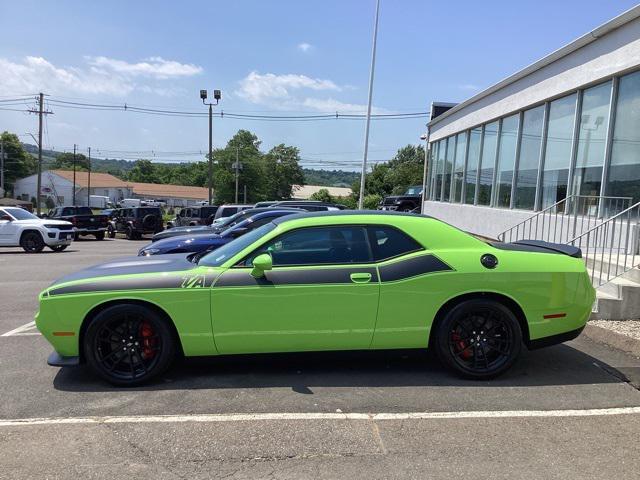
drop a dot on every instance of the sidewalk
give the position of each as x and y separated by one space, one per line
621 334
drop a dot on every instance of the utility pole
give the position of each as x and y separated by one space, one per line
40 112
366 131
89 179
74 175
237 165
2 167
425 137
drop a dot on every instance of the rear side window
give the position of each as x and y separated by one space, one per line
388 242
142 212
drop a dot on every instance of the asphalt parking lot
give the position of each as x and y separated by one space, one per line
570 411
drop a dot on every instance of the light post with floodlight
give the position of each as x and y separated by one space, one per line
216 96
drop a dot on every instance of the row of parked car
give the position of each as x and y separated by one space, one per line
58 227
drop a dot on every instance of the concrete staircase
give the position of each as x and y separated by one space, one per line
618 299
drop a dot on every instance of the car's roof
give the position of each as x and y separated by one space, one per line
348 213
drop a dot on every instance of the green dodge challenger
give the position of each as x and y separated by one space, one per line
322 281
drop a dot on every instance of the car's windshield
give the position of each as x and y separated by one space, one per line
83 211
224 253
20 214
413 191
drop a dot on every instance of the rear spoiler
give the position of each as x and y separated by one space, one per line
569 250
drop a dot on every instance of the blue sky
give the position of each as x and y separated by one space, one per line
276 57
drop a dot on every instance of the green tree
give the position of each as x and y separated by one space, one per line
281 171
322 195
393 177
144 171
19 163
64 161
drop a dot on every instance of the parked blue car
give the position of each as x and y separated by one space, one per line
207 242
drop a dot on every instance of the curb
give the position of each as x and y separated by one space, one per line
613 339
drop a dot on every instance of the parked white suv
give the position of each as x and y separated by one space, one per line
20 228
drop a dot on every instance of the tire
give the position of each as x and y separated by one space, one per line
150 222
111 232
31 242
76 237
128 345
59 248
405 208
99 236
130 233
478 339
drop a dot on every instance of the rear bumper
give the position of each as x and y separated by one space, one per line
57 360
90 230
554 339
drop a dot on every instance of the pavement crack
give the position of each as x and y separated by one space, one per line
378 437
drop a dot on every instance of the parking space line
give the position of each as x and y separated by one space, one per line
256 417
23 330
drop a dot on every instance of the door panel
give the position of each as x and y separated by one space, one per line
295 309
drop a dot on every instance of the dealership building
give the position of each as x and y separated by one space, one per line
567 125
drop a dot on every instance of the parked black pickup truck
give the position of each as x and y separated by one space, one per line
406 202
83 220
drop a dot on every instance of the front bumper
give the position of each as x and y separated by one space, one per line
392 208
58 237
57 360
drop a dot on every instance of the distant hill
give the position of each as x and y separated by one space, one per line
119 168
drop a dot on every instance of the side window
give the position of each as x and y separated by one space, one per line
388 242
259 223
318 246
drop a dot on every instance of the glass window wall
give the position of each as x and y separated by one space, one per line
448 167
458 171
487 163
472 165
594 120
506 160
557 157
624 171
527 175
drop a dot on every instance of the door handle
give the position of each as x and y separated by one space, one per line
361 277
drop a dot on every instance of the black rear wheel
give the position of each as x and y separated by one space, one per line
99 236
479 339
111 231
130 233
31 242
129 344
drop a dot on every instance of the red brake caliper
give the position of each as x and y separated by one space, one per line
147 342
455 337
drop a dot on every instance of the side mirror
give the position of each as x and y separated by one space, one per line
261 264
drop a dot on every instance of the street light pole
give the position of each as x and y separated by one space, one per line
366 131
237 170
216 96
89 178
74 175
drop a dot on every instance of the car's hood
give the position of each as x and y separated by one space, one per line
132 265
41 221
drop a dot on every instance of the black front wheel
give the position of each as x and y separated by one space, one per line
59 248
129 344
111 232
31 242
99 235
479 339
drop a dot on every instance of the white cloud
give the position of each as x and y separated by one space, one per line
267 88
468 86
154 67
294 91
102 75
305 47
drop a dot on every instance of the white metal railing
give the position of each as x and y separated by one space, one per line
567 219
610 248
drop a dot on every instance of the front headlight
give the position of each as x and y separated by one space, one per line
145 252
51 226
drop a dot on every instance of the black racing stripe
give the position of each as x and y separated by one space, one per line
243 278
412 267
140 283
